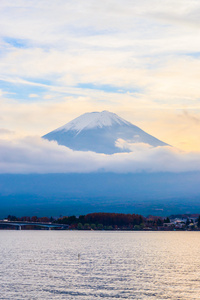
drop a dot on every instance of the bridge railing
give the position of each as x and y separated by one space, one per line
39 224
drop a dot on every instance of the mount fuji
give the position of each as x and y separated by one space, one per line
69 193
99 132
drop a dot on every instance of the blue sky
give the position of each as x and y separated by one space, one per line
139 59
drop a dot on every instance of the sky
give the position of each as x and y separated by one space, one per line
60 59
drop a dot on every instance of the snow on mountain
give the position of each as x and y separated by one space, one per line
99 132
93 120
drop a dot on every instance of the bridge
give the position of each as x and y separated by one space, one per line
18 224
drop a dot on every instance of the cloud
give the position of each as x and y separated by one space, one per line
36 155
126 46
133 147
33 95
7 134
145 52
4 131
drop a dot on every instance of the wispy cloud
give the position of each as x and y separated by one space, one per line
139 58
4 131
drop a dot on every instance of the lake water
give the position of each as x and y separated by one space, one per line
99 265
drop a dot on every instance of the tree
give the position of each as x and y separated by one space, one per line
187 222
79 226
34 219
100 226
167 220
72 219
159 222
198 222
12 218
136 227
141 225
86 226
93 226
81 219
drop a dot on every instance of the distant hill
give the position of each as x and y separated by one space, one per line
160 194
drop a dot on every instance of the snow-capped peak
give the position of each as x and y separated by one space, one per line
98 132
93 120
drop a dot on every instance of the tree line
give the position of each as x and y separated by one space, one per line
102 221
111 221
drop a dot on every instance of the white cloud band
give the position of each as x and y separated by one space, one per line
36 155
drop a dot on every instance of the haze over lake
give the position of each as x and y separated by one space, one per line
99 265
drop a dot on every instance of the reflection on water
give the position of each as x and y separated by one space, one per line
95 265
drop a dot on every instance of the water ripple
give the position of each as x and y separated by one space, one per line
96 265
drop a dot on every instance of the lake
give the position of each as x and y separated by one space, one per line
99 265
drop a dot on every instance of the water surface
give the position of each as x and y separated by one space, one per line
99 265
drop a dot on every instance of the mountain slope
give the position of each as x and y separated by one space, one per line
98 132
141 193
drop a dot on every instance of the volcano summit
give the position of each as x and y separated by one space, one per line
99 132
